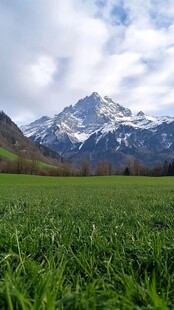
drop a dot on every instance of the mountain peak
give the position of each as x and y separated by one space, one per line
95 94
98 127
97 97
93 98
141 114
101 107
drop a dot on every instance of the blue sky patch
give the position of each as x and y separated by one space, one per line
120 15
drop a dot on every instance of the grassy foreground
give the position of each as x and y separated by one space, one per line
86 243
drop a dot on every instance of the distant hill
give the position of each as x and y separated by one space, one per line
13 140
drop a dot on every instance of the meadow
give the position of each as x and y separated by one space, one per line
7 154
86 243
13 157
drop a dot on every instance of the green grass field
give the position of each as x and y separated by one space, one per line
86 243
7 154
13 156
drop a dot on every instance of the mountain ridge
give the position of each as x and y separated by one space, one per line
97 128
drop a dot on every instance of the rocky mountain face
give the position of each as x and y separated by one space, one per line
96 128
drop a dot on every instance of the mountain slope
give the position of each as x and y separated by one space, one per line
13 140
96 128
6 154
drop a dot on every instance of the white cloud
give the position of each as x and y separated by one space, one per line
54 52
43 70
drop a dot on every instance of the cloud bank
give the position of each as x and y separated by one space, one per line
54 52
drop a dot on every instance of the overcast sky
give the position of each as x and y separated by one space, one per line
54 52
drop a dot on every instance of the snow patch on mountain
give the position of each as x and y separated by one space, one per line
94 117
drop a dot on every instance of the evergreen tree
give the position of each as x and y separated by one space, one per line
172 168
126 171
169 172
164 169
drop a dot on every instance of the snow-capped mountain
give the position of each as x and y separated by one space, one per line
98 128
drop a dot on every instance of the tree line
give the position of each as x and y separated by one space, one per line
134 167
31 165
131 167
